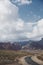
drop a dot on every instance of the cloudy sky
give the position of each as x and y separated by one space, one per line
21 20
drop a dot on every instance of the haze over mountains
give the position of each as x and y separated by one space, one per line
34 45
22 45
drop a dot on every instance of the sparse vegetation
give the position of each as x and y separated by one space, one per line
40 57
7 57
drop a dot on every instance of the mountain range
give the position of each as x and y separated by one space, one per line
21 45
34 45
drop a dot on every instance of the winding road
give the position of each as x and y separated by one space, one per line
35 59
30 61
27 61
22 61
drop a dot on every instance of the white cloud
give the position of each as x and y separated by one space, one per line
40 26
19 25
32 34
13 28
22 2
8 10
37 32
8 17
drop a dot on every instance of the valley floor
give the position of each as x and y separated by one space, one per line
19 58
26 60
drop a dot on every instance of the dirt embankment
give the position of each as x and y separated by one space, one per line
22 61
35 59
